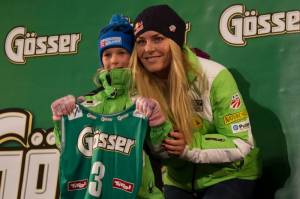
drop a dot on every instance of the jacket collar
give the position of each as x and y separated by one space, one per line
115 82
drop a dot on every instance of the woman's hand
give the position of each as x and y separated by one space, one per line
176 145
62 106
151 109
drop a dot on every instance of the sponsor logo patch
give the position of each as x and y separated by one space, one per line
197 122
89 115
110 41
138 27
240 127
106 119
172 28
77 185
123 185
76 113
198 105
228 119
121 117
235 101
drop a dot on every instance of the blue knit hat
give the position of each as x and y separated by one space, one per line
118 33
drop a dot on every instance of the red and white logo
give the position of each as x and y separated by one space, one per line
102 43
172 28
110 41
76 185
138 27
235 101
123 185
76 113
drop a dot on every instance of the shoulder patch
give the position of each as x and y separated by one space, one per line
240 126
228 119
235 101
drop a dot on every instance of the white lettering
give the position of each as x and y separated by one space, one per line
13 46
265 25
20 44
85 141
277 19
237 24
293 21
230 26
28 168
250 24
89 140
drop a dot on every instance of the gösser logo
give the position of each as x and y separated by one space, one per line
20 44
236 24
29 159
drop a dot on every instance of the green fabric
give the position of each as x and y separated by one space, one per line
191 75
159 133
92 143
220 104
115 98
215 134
57 133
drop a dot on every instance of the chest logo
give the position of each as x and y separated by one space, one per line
198 105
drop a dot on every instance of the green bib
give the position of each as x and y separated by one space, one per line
101 154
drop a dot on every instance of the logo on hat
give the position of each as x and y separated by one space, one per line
110 41
138 27
172 28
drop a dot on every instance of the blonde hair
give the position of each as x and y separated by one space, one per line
173 95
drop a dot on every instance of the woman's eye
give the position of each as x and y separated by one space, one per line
140 42
158 39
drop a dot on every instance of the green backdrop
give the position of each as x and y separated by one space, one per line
266 67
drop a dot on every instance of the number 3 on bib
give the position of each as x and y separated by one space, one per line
95 185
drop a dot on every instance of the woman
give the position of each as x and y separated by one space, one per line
115 45
203 103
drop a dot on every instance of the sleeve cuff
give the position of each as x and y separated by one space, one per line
184 154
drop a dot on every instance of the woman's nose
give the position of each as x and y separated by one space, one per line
149 47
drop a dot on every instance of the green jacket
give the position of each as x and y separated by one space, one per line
114 97
223 147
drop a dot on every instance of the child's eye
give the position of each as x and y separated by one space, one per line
122 52
106 54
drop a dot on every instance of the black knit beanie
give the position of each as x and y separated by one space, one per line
162 19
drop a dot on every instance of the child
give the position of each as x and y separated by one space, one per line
115 46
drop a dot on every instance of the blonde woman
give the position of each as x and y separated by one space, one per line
212 149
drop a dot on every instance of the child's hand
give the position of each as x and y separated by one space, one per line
62 106
151 109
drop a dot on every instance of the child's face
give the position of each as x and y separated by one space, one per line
115 58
